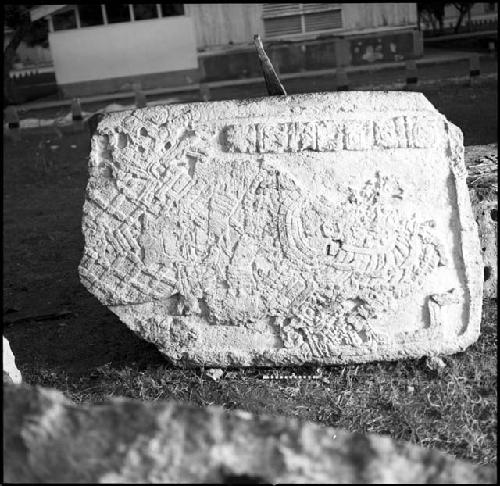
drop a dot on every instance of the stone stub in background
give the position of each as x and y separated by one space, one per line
10 372
48 439
482 179
321 228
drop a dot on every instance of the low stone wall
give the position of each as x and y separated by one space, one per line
170 79
482 179
48 439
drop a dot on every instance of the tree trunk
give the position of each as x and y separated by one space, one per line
459 21
441 24
9 56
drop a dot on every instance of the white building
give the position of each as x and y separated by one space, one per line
108 48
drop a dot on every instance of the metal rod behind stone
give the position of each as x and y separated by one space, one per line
273 84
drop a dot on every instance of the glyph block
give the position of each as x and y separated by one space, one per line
319 228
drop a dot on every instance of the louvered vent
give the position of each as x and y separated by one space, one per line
282 19
323 21
271 10
318 7
291 24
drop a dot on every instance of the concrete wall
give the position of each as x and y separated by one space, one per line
172 79
124 49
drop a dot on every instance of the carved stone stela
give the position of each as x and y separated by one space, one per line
321 228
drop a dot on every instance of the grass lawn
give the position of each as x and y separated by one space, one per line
63 338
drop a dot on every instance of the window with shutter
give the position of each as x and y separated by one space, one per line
285 19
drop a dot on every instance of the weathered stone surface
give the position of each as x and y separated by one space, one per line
322 228
482 166
47 439
10 372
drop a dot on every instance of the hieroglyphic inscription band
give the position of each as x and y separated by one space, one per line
334 135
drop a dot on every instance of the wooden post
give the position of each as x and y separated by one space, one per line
491 48
104 14
77 17
140 99
76 110
474 69
411 74
342 80
204 92
12 118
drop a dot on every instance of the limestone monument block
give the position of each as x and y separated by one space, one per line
482 178
11 373
48 439
318 228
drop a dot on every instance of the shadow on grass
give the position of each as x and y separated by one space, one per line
44 186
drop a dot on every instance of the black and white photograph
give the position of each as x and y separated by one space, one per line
250 243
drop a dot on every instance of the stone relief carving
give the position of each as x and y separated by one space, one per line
213 230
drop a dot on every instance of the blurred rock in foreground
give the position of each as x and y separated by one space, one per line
48 439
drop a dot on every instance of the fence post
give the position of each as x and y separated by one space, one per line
342 81
204 92
140 99
411 74
11 117
491 48
13 122
474 69
76 110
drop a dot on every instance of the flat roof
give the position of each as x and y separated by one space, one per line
41 11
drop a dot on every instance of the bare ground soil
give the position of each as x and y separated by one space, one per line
64 338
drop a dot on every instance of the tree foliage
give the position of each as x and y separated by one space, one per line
17 18
464 9
434 11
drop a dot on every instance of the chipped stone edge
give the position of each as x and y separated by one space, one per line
469 236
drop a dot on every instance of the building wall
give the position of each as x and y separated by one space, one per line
360 16
220 24
124 49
